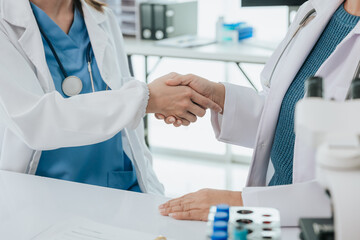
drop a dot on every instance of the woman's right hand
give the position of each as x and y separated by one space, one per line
178 100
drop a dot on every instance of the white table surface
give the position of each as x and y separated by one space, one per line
242 53
31 204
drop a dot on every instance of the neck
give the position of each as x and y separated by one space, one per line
352 7
60 11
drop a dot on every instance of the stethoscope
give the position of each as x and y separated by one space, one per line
305 21
71 85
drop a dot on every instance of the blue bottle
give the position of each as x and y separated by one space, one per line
220 226
221 216
223 208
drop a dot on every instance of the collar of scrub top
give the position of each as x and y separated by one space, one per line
71 85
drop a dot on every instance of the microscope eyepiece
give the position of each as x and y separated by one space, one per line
355 89
314 87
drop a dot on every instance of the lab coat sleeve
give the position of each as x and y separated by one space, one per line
300 200
242 111
49 121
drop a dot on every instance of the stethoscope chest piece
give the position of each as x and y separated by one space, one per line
72 86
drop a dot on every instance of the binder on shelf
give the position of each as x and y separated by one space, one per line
164 19
146 19
159 12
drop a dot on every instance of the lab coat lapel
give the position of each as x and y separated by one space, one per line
337 72
98 37
31 43
299 50
288 67
339 69
29 38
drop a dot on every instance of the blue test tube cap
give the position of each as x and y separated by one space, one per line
223 208
220 226
221 216
219 235
240 233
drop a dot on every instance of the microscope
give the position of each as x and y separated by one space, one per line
333 129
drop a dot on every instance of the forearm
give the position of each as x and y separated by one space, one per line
235 198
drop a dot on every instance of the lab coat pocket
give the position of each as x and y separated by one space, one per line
121 179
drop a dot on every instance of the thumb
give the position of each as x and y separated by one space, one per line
174 82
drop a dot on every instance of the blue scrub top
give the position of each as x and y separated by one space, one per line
103 164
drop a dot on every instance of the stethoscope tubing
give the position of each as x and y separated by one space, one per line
54 52
61 66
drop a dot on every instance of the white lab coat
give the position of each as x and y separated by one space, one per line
250 118
35 117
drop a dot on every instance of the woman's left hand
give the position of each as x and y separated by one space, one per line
195 206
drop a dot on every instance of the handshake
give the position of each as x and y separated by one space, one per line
180 99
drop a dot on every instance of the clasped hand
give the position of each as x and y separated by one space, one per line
180 99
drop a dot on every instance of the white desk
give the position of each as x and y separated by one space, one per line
30 204
238 53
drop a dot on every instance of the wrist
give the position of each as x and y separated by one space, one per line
150 108
236 198
218 95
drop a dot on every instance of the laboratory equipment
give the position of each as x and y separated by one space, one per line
241 223
232 32
163 19
332 129
317 228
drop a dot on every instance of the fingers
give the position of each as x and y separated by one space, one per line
173 202
179 79
204 102
178 123
189 117
171 75
171 120
185 208
176 81
185 122
198 215
159 116
197 110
